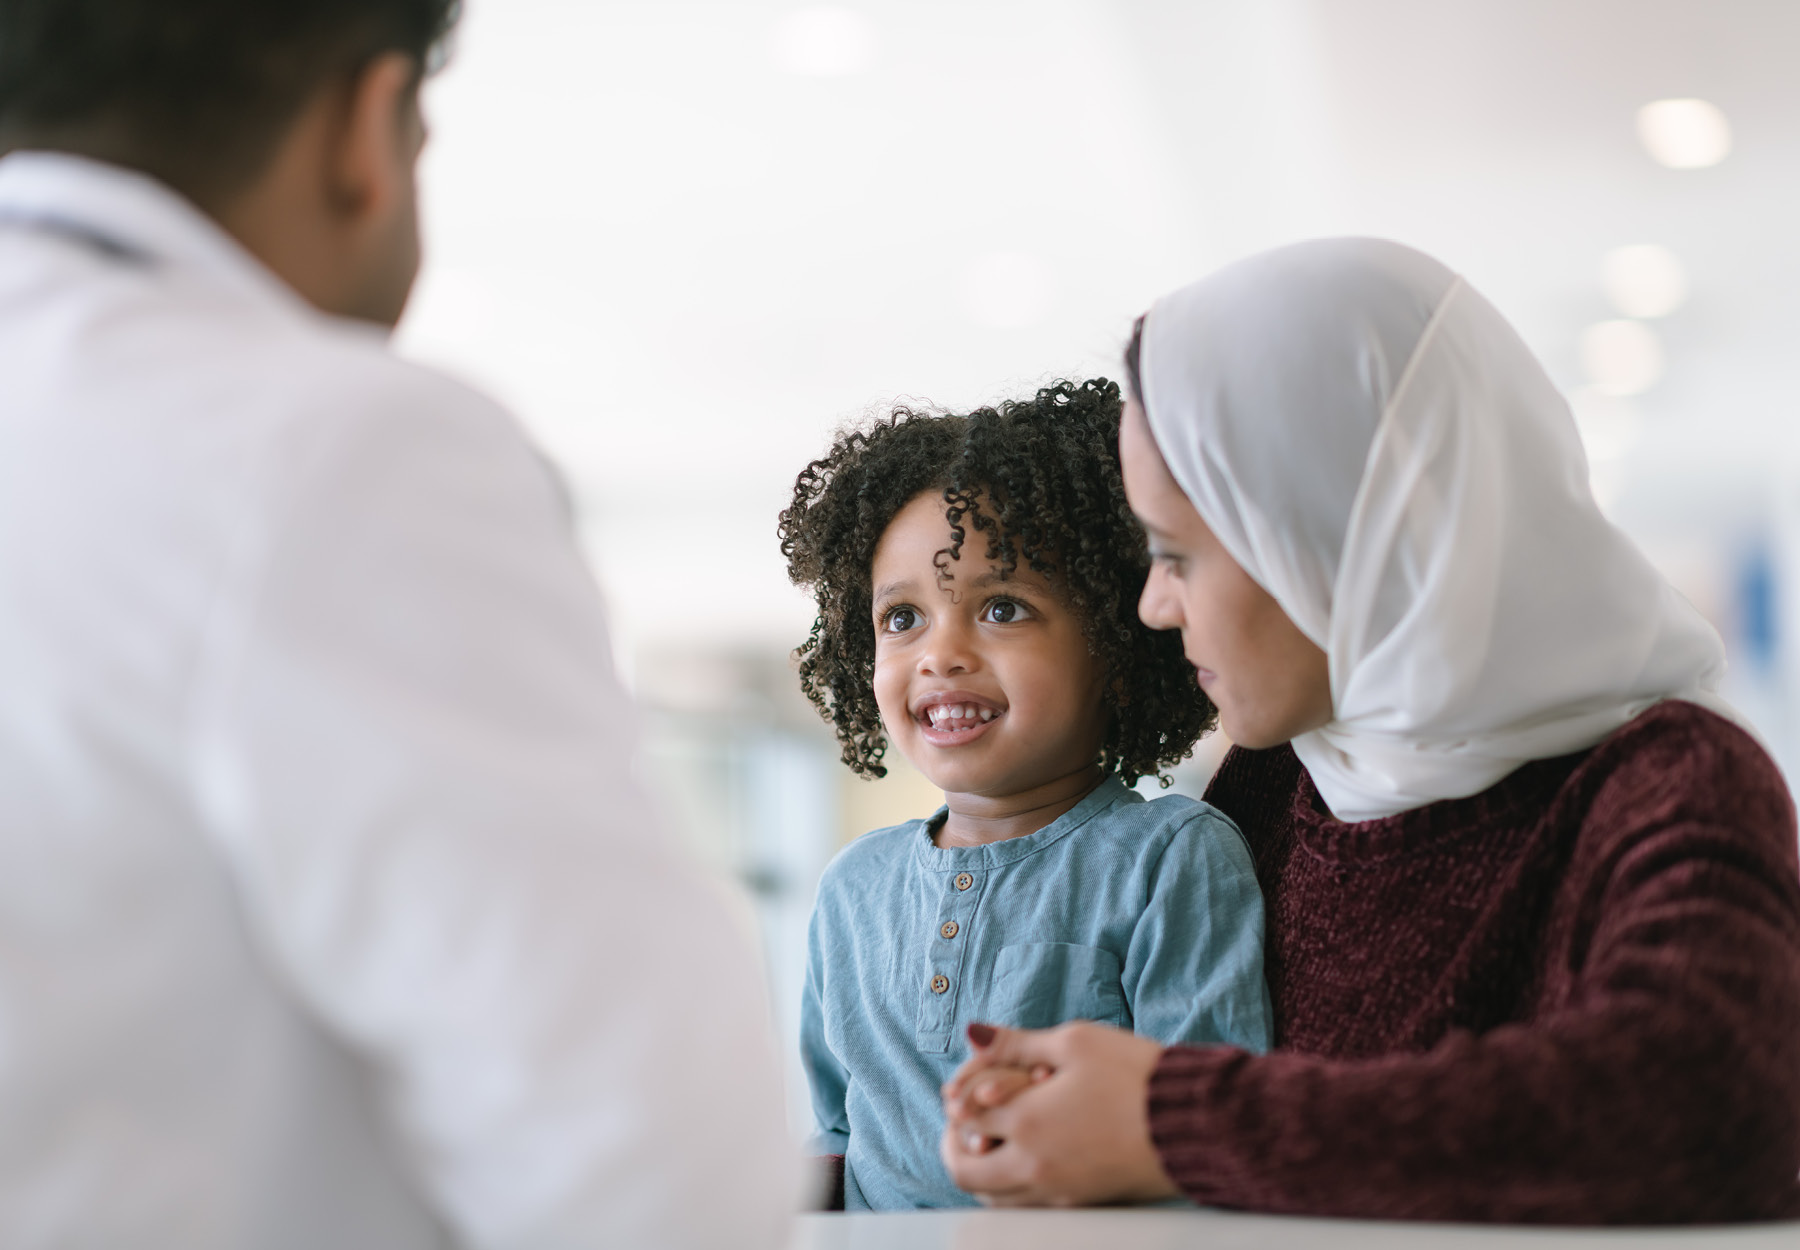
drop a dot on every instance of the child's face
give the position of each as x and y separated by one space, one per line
986 686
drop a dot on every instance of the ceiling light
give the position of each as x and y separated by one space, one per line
1684 134
825 41
1644 280
1621 357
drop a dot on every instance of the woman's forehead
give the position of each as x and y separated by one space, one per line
1154 495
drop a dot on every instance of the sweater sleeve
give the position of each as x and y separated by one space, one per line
1664 1087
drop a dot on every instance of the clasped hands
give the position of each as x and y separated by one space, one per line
1056 1117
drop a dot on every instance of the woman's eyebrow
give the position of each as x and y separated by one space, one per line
891 589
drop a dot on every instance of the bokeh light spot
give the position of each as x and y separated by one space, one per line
1644 280
1684 134
1609 424
1621 357
824 41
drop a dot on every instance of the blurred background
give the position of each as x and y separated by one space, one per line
687 240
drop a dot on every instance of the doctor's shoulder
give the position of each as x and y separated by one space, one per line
351 404
348 373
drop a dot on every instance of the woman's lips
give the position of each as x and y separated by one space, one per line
1204 675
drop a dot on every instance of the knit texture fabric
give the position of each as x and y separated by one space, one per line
1572 998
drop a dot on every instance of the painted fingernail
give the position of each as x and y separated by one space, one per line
981 1034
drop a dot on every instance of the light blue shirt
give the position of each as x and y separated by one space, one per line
1144 915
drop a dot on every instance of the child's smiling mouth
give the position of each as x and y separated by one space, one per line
952 718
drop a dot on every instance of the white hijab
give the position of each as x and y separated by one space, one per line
1375 445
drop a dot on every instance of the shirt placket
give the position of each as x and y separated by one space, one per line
945 941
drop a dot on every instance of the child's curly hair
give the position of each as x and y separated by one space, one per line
1040 477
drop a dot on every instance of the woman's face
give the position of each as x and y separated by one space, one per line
1270 682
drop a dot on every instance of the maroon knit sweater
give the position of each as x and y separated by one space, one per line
1573 998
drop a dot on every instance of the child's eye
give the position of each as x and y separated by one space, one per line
899 620
1003 611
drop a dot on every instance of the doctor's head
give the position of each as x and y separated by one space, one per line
294 123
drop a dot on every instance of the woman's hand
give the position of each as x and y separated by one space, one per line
1055 1118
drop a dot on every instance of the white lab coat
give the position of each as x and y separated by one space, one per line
330 914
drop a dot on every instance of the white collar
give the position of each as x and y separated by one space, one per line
134 214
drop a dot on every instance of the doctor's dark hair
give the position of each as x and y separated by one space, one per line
194 92
1039 480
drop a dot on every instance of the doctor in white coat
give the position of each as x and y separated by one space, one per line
330 915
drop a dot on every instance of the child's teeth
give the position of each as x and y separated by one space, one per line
942 714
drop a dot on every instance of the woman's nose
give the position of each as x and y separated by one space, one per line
1159 606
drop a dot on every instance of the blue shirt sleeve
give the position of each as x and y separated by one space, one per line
1194 969
825 1076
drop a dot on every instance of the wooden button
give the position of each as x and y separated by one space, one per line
939 983
964 881
949 930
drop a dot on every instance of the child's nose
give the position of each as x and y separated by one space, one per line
944 663
950 652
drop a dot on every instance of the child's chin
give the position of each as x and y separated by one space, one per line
952 779
990 781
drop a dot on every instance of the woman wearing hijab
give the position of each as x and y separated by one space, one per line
1532 894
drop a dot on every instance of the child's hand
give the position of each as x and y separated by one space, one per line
984 1081
1078 1136
981 1088
970 1094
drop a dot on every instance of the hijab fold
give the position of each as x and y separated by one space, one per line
1379 450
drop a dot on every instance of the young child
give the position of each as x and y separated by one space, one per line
977 580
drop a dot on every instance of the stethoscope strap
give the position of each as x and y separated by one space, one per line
77 232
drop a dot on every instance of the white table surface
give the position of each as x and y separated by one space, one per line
1219 1230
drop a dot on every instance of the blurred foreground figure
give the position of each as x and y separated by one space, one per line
330 915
